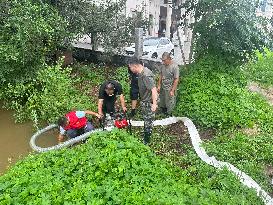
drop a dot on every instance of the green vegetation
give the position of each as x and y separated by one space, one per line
249 153
232 28
260 68
51 95
214 95
114 168
30 33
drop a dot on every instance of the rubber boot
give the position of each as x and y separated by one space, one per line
147 137
164 110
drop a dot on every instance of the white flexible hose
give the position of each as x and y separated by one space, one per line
62 145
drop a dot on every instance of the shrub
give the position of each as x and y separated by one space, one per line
260 68
213 94
249 154
46 98
29 32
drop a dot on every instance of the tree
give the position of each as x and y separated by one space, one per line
29 32
104 21
74 13
227 27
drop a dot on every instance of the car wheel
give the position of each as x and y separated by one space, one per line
154 55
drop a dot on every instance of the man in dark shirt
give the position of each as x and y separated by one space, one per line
148 95
108 93
134 91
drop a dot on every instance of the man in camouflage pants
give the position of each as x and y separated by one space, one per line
148 96
167 84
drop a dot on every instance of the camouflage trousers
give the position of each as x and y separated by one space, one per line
167 101
148 116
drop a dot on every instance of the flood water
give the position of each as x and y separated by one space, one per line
15 137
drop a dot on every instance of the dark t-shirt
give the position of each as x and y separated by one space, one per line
118 90
133 78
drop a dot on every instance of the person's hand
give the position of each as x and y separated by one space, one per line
154 107
124 109
60 138
171 93
98 115
158 89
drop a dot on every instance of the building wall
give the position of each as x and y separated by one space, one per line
151 9
154 16
137 5
265 9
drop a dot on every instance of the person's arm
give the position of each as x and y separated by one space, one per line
150 85
100 107
173 89
154 99
175 81
101 98
159 83
121 96
61 135
60 138
122 102
92 113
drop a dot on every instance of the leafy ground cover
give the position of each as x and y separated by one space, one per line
215 96
114 168
259 69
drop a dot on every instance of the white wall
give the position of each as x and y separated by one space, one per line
137 5
154 11
150 7
268 13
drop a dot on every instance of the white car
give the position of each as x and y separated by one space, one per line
153 47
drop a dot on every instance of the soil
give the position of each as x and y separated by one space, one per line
179 135
253 131
179 129
267 93
269 170
208 134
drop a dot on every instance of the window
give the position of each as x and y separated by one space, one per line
164 42
263 4
150 42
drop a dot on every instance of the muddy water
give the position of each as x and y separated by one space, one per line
14 140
